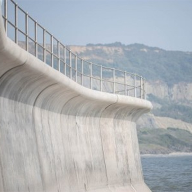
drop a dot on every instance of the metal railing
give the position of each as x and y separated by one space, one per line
31 36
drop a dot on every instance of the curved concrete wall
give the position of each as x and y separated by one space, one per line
57 136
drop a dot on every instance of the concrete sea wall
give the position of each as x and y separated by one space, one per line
57 136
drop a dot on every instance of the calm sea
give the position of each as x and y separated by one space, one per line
168 173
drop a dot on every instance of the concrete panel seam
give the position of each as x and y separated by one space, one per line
102 139
51 143
40 166
12 69
68 101
133 188
1 168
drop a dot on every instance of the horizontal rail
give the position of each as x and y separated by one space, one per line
34 38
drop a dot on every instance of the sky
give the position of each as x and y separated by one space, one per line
166 24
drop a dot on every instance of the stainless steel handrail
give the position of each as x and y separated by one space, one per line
61 58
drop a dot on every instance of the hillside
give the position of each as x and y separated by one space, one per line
161 141
169 86
151 62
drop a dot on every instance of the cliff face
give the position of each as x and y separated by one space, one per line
182 91
178 92
158 88
172 106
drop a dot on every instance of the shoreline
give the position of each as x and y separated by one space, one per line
174 154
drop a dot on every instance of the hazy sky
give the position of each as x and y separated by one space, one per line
162 23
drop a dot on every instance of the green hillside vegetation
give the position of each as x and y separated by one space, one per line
171 109
164 141
150 62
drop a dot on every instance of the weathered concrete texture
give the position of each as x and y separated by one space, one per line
57 136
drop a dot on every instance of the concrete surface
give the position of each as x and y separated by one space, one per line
57 136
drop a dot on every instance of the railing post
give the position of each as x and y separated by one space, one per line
82 72
141 87
125 82
5 14
101 78
114 81
58 53
36 49
75 68
26 30
44 46
65 61
91 76
52 65
70 65
144 93
135 88
16 23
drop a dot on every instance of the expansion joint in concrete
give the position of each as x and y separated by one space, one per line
12 69
102 139
37 142
68 102
1 170
133 188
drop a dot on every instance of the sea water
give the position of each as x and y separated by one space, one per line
168 173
